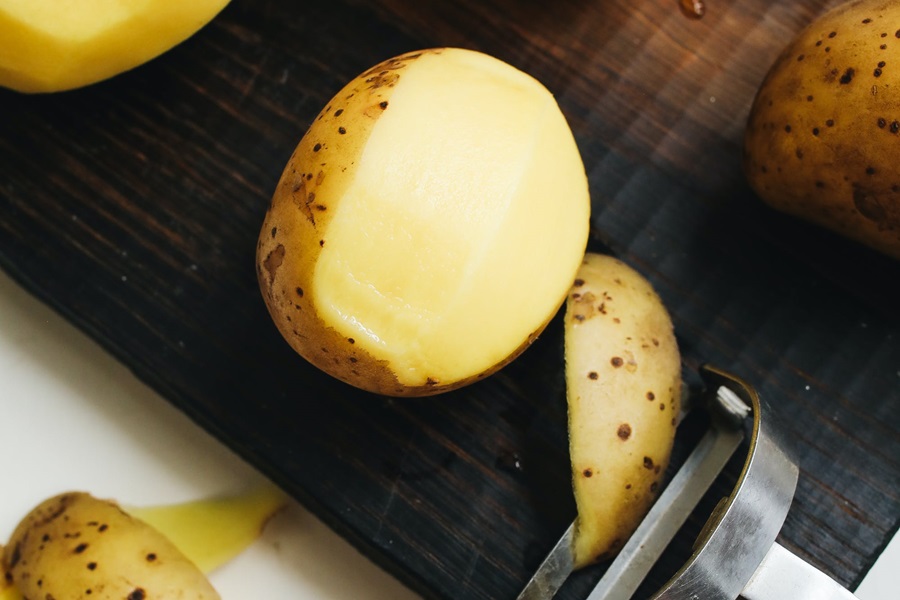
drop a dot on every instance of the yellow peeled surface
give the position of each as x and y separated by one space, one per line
8 592
214 531
469 237
54 45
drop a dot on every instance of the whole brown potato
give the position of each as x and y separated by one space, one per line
823 136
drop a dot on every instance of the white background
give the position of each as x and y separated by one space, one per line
73 418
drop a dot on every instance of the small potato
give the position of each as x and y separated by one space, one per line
823 134
427 226
623 379
76 546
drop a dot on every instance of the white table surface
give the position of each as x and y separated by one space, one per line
73 418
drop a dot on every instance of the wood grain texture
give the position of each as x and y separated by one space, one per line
132 207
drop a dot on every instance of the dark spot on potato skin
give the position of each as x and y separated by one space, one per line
624 431
273 261
616 361
593 375
588 473
648 462
15 556
847 77
137 594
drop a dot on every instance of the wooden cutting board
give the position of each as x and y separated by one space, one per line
132 207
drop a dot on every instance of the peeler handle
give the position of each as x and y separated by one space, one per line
783 575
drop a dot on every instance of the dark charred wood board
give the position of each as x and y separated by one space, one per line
132 207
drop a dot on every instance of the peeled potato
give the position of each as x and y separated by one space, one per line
822 137
623 379
427 226
49 46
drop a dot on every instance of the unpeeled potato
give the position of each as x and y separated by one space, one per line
823 134
427 226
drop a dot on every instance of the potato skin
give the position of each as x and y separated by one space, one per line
73 543
623 381
824 130
298 211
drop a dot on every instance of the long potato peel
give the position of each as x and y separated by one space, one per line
623 379
212 532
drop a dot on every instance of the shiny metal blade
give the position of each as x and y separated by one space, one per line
668 514
784 576
664 519
553 572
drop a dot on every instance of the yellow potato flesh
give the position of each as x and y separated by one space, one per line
212 532
7 590
54 45
445 235
623 378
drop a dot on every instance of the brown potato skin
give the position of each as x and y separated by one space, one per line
823 135
73 543
299 212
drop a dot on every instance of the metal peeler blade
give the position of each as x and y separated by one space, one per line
736 555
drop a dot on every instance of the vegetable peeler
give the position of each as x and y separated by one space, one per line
736 555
